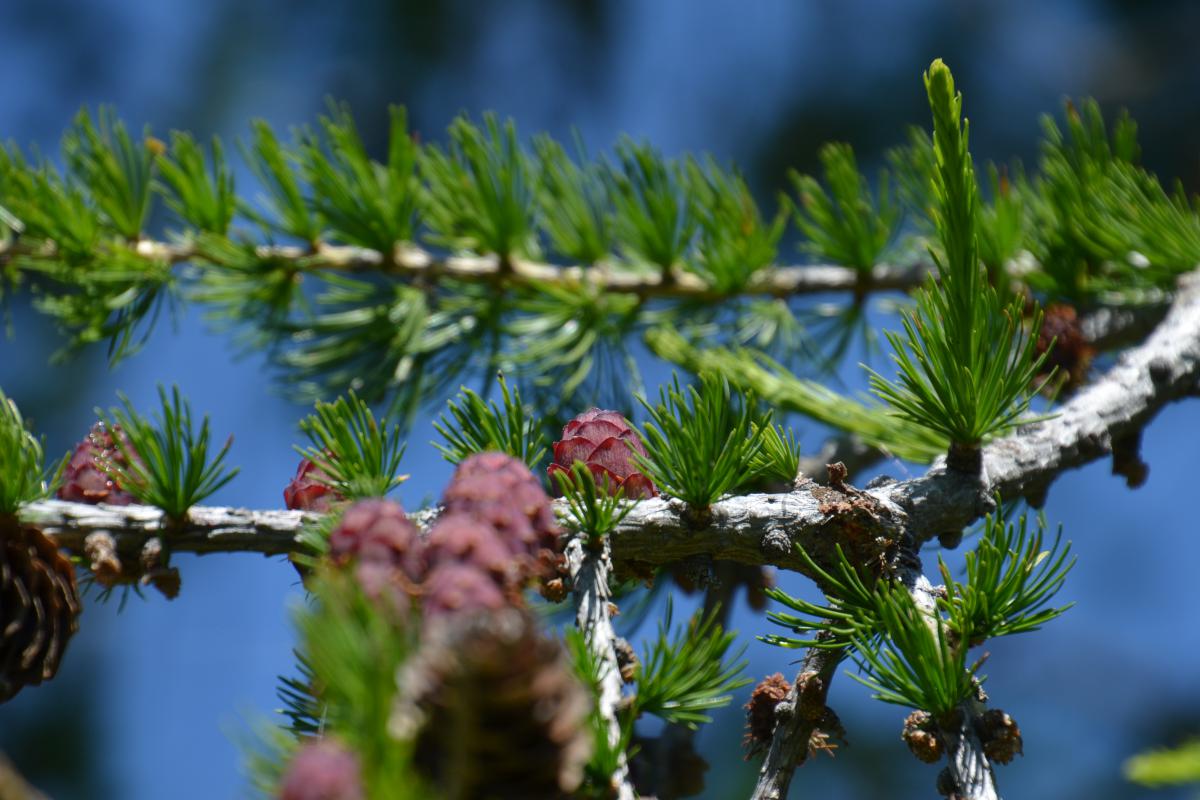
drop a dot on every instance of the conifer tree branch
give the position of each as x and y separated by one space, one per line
415 262
589 570
796 718
764 529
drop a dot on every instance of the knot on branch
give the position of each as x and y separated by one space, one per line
860 524
1127 459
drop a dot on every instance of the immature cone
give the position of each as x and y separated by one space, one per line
384 547
39 607
1000 736
495 710
322 769
921 735
84 480
307 491
760 713
606 443
1066 348
500 490
460 588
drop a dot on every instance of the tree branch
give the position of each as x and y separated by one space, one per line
796 717
765 529
411 261
589 578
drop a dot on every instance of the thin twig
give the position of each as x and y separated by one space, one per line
796 718
589 578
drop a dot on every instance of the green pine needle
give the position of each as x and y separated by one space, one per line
966 362
479 426
24 476
701 442
365 203
481 190
651 215
201 194
1010 580
359 455
168 463
592 510
846 224
117 172
687 672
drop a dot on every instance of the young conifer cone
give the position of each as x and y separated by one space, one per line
495 709
383 546
84 480
307 490
39 607
606 443
323 769
499 490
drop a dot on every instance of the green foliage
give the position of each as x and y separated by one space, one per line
1095 207
778 460
593 511
754 372
49 207
606 755
914 656
911 660
287 208
479 426
364 202
116 171
849 610
687 672
652 217
360 455
167 462
914 166
1173 766
1003 224
846 224
734 242
244 290
354 647
965 361
569 339
201 194
303 708
701 443
369 337
481 190
1010 579
573 200
24 476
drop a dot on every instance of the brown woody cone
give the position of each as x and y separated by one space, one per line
495 709
39 607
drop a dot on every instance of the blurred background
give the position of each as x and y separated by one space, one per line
152 699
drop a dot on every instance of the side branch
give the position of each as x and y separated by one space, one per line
1107 417
589 578
415 262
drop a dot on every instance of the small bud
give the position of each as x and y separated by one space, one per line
1000 736
921 736
627 660
760 713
